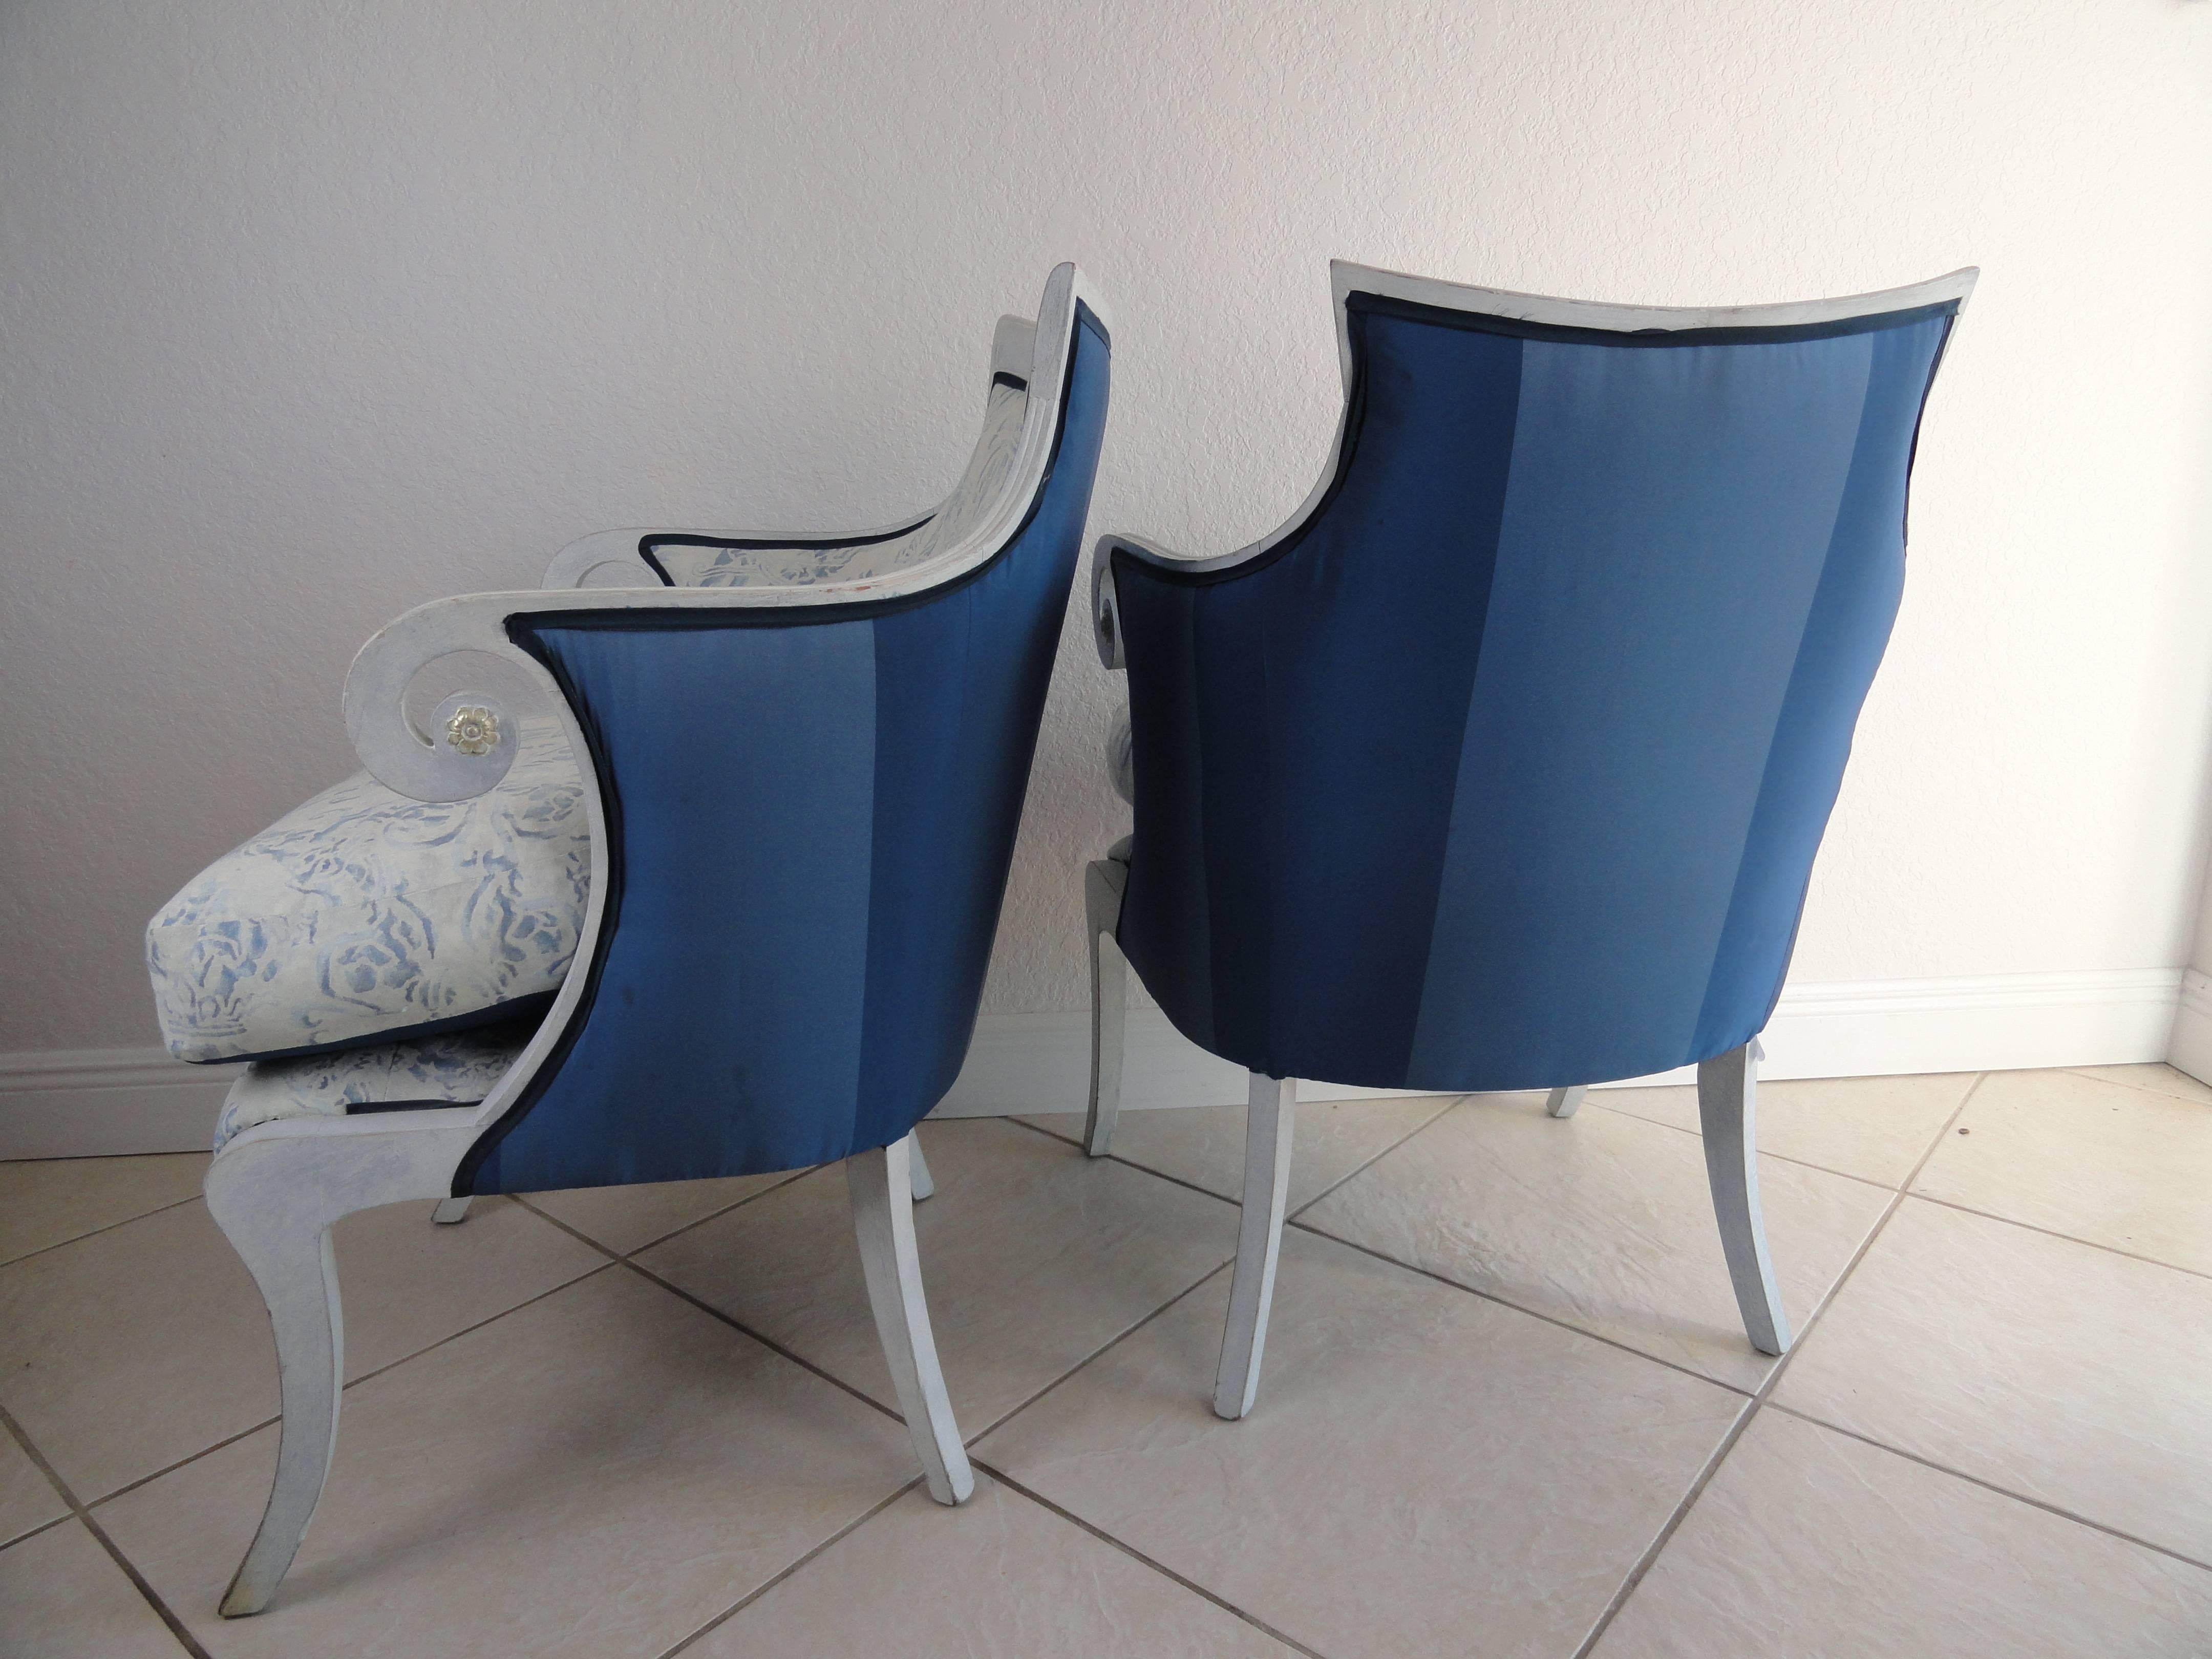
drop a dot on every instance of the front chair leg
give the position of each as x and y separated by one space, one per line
881 1182
1727 1092
1269 1116
285 1243
1103 883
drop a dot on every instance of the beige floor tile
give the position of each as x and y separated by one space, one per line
1422 1466
1603 1220
122 1353
595 1475
2094 1160
1205 1144
28 1498
46 1202
627 1219
2159 1080
62 1597
998 1579
2050 1368
1809 1543
1032 1255
1874 1127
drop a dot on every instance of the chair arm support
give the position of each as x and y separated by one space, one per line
1105 608
624 550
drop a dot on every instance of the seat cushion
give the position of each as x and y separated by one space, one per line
363 912
457 1069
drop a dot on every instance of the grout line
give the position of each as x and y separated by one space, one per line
78 1238
1437 1116
789 1175
161 1609
2047 1507
1779 1157
769 1343
1139 1556
1114 1342
1736 1432
391 1364
1112 1157
1493 1297
607 1250
1115 1157
2140 1088
29 1533
2053 1232
763 1588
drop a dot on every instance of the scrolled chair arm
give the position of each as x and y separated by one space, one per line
471 742
1105 605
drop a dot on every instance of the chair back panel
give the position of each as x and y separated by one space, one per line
1507 768
811 814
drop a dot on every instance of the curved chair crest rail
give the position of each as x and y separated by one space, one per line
1502 763
807 754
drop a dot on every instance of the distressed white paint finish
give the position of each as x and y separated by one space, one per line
1270 1110
881 1184
316 315
1727 1117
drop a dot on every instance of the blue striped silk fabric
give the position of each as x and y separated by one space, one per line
1506 770
811 814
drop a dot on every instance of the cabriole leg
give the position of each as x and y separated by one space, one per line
1562 1103
1103 884
1727 1090
450 1211
1269 1115
286 1245
881 1184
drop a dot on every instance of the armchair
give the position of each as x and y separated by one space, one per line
1502 765
805 756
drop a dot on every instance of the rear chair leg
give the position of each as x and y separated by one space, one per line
919 1179
1727 1092
1561 1102
881 1182
450 1211
1103 883
1269 1116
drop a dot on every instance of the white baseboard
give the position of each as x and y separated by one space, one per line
96 1103
2006 1022
93 1102
2191 1049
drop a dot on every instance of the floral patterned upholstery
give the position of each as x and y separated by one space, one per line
363 913
458 1069
703 564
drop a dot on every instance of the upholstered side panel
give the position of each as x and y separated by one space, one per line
811 815
1508 770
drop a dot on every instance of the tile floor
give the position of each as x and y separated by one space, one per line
1507 1410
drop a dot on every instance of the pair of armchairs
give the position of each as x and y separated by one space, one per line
1501 766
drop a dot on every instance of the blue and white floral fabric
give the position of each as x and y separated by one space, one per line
458 1069
689 565
363 913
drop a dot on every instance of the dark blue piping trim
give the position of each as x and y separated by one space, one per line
1756 334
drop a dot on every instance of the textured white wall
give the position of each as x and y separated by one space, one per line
310 313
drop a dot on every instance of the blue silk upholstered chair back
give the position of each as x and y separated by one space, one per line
810 813
1504 765
803 764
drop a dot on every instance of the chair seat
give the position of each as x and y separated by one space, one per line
456 1069
363 913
